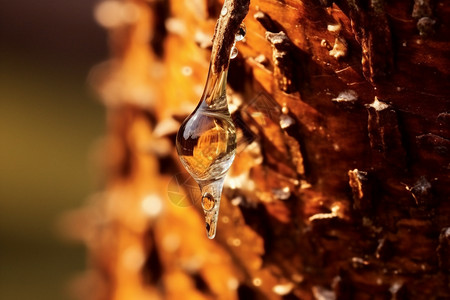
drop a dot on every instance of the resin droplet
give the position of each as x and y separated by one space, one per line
239 36
208 201
224 11
206 145
234 52
206 141
241 33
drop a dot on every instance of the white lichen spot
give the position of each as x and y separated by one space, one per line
238 182
321 216
335 212
166 127
202 39
395 287
324 43
378 105
152 205
334 28
447 232
321 293
175 26
282 193
339 49
346 96
283 289
261 59
305 184
335 208
234 102
113 14
232 283
286 121
358 261
236 201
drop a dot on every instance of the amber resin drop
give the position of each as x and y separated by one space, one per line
206 142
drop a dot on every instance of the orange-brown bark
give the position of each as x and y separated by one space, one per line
341 183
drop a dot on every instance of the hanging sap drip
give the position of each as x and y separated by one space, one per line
237 38
206 141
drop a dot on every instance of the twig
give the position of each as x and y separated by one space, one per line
226 28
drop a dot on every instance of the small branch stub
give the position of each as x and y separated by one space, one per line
228 24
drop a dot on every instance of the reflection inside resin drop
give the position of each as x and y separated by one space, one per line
208 201
207 145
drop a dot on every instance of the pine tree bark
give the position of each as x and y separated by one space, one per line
340 187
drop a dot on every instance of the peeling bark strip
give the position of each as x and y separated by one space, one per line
233 13
293 143
372 32
384 133
443 250
283 61
359 182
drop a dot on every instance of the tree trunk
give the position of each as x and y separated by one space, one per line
341 183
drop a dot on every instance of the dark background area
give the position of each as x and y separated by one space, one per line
49 121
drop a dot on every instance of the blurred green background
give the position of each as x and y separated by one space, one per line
48 123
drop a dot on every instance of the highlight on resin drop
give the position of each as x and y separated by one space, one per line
234 52
224 11
241 33
206 141
239 36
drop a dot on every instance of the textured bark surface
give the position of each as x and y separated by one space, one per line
340 188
